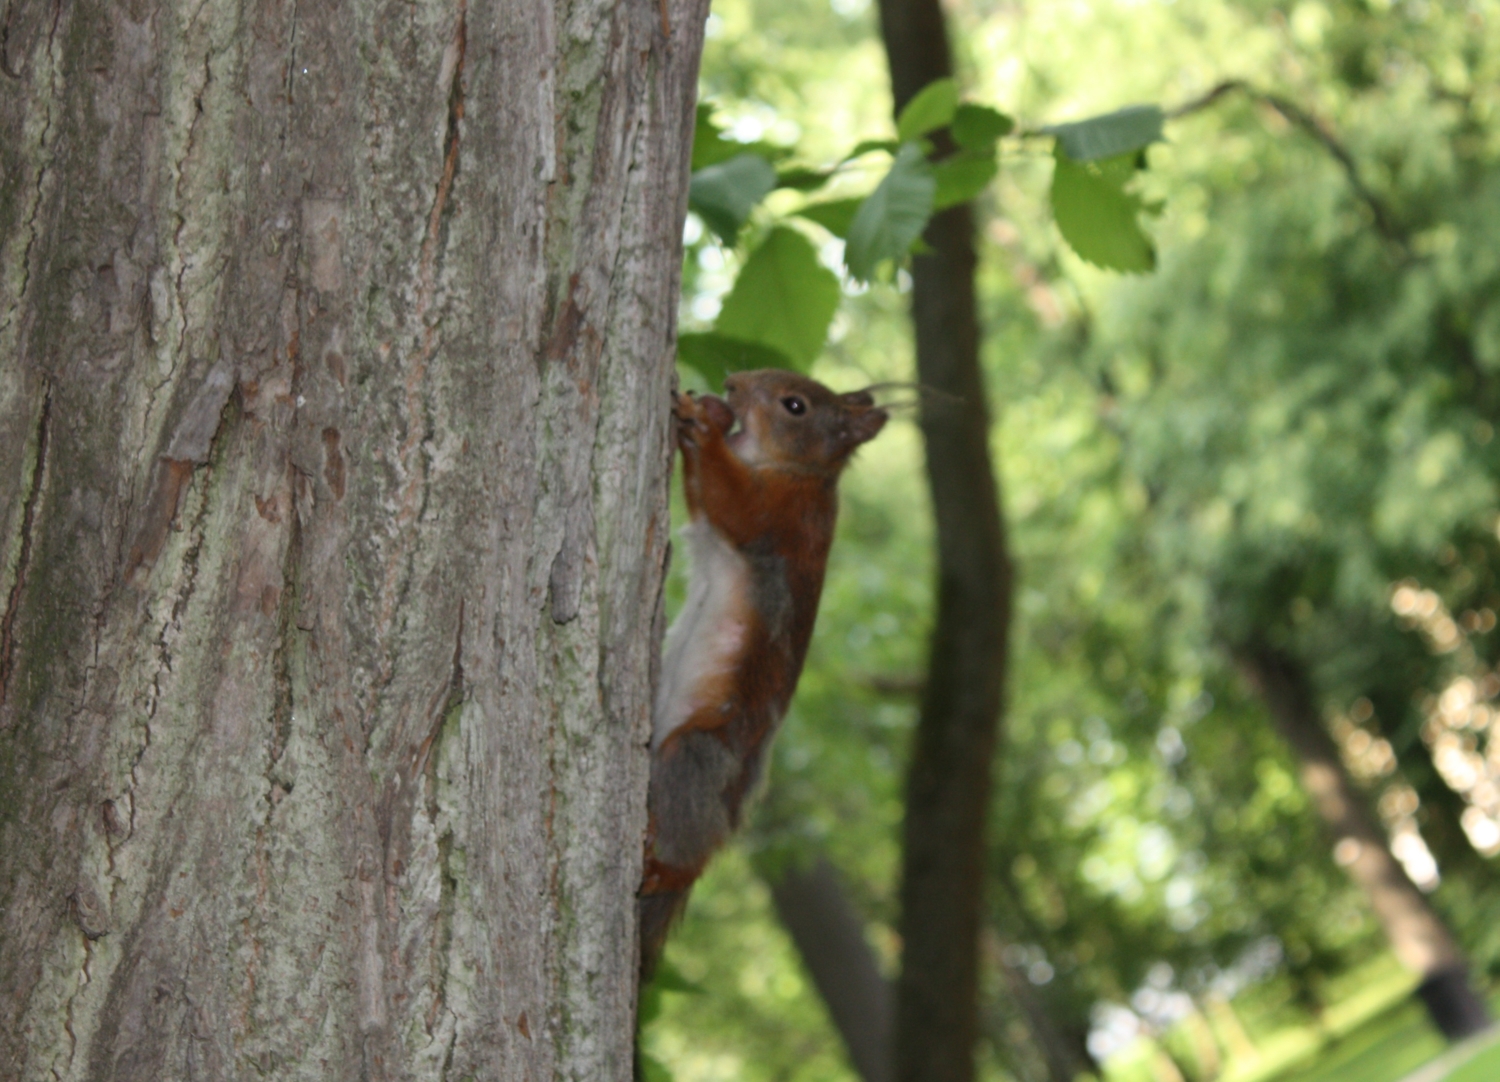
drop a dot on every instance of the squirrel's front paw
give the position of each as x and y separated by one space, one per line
687 414
699 417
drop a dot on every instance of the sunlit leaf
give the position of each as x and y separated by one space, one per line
834 215
723 195
978 127
932 108
869 146
783 298
962 177
893 215
1097 216
714 356
1110 135
711 146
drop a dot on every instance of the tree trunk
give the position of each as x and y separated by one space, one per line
1418 936
948 784
335 342
831 940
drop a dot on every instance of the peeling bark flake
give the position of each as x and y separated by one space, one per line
333 462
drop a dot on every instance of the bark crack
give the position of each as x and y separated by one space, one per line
181 167
196 536
291 67
412 495
433 238
179 190
284 703
447 903
451 701
452 1045
44 160
85 978
23 557
10 10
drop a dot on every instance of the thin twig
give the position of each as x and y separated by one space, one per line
1385 222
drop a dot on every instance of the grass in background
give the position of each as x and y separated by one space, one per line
1375 1031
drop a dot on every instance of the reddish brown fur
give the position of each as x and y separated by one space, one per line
769 490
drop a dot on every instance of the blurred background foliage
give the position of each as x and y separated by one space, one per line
1285 434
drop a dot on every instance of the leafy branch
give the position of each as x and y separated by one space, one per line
946 152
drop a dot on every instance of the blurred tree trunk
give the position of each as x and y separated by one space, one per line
335 343
830 937
948 783
1417 933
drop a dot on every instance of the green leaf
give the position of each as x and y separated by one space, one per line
714 356
869 146
1097 216
802 179
649 1006
833 215
932 108
724 194
1110 135
709 145
668 978
893 215
962 177
978 127
653 1069
783 298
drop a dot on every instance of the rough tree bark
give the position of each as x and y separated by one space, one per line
335 342
948 783
1418 935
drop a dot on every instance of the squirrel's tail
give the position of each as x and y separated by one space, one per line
657 913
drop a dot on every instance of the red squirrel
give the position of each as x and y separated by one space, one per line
760 473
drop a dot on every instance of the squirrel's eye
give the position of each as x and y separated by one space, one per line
794 405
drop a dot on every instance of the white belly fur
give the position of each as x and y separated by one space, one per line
705 640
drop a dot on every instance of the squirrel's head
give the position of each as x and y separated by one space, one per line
791 421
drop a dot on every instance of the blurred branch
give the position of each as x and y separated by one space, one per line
1385 221
1416 930
830 937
